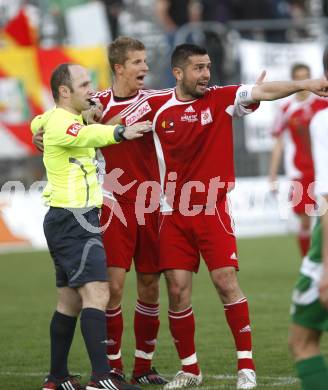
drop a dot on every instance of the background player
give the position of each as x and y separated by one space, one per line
310 297
193 139
291 132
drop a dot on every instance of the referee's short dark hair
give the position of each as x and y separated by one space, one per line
181 54
60 76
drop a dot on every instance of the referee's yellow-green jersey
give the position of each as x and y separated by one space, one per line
69 158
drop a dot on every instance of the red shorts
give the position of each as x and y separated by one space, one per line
184 238
124 239
301 194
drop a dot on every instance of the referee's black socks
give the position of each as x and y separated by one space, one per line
62 329
93 327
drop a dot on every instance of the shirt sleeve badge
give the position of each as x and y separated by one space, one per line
74 129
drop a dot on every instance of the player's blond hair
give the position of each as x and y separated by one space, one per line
118 49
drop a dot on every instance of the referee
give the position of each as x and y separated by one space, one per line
74 195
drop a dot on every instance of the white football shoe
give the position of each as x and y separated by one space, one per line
246 379
184 379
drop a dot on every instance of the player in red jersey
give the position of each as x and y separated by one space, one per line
127 58
291 132
193 138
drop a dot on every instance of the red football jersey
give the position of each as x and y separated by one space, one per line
136 159
293 122
194 143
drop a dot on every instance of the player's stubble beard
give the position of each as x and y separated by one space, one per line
190 89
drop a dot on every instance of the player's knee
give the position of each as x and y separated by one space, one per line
306 226
100 301
149 294
105 297
148 289
225 281
305 222
179 290
298 347
69 302
116 290
292 345
179 297
175 291
174 288
72 309
95 295
77 307
303 342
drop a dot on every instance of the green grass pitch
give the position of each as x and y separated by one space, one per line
269 267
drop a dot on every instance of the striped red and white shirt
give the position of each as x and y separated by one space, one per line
136 159
292 122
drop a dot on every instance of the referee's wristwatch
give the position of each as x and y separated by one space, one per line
119 133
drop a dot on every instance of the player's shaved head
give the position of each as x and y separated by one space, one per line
61 76
117 50
182 53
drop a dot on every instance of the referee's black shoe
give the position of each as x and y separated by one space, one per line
109 382
151 377
71 382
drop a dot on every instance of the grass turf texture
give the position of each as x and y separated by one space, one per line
269 268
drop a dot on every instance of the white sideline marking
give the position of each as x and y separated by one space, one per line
11 373
276 380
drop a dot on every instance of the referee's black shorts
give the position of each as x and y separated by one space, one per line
75 244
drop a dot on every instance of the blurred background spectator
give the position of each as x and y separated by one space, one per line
113 9
172 15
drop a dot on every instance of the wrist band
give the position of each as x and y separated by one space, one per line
119 133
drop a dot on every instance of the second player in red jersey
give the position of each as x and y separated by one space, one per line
125 168
291 133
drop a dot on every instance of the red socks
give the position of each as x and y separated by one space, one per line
146 324
182 327
114 321
238 319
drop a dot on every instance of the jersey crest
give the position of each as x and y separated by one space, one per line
206 116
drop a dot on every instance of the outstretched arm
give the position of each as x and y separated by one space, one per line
75 135
273 90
